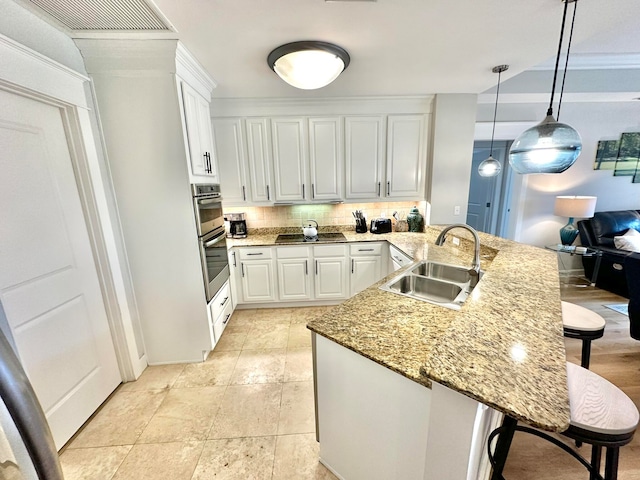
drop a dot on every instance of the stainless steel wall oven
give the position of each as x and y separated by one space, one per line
207 203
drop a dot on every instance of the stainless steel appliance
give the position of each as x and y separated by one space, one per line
211 235
237 225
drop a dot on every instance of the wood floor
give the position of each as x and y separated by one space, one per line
615 357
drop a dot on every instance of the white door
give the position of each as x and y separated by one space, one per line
365 271
406 156
331 278
294 280
259 153
48 283
289 158
258 281
364 154
325 158
199 161
230 156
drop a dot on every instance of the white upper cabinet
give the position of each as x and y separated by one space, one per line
406 156
289 159
197 119
325 158
232 163
364 155
259 156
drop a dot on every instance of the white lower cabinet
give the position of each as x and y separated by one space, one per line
294 278
305 273
220 310
367 266
397 259
257 275
331 280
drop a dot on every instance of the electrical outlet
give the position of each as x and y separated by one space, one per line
456 210
456 241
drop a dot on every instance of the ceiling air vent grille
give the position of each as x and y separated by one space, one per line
103 15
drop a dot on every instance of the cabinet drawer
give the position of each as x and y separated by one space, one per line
254 253
220 301
220 323
399 257
329 251
292 252
362 249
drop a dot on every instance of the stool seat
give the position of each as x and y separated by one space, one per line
599 406
575 317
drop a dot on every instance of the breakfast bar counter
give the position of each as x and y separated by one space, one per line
503 349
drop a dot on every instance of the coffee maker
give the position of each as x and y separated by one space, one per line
237 225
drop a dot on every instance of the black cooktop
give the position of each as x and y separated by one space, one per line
300 238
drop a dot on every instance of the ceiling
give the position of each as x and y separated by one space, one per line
397 47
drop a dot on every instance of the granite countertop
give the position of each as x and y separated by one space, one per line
504 347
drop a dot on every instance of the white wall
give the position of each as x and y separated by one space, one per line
594 122
451 154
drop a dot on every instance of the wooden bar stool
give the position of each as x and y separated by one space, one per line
602 415
584 324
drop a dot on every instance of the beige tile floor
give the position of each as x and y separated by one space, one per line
246 413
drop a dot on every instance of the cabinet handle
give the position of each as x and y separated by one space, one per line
388 188
242 268
316 267
365 249
303 191
254 253
313 191
226 319
268 196
206 162
244 195
306 267
397 258
234 258
352 266
224 301
378 188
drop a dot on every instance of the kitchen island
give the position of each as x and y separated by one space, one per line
403 386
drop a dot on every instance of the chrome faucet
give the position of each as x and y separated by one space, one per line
475 268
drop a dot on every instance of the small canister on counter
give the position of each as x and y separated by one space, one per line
415 220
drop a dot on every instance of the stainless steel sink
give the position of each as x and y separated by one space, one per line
438 283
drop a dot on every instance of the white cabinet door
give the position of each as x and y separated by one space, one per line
325 158
196 117
331 278
406 156
234 276
364 155
364 272
259 156
289 159
230 154
294 279
258 282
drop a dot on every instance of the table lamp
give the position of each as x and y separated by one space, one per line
573 207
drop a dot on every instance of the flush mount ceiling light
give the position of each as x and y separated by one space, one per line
550 146
491 167
309 64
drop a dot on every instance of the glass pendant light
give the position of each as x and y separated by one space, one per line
308 65
491 167
550 146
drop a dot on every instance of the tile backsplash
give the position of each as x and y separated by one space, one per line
325 215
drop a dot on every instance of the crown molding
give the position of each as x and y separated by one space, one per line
577 97
595 61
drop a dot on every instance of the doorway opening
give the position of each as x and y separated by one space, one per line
489 205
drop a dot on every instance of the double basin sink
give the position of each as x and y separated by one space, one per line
437 283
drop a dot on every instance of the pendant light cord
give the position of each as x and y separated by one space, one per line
555 73
495 111
566 63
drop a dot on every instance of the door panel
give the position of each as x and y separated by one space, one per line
48 283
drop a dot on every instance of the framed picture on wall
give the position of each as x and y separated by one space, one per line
606 155
628 155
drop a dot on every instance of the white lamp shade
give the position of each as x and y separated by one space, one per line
309 69
575 207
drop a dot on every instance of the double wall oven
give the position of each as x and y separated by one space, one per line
207 203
